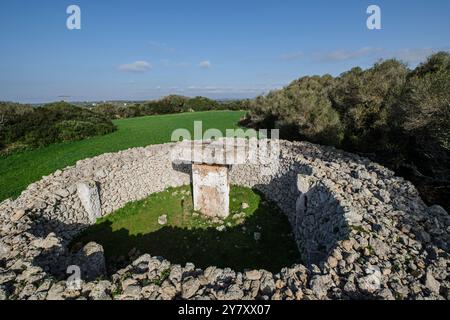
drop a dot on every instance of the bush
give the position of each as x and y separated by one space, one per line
303 108
69 130
425 102
365 100
35 127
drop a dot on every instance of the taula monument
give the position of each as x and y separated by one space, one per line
211 162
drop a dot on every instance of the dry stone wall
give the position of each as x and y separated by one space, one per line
362 232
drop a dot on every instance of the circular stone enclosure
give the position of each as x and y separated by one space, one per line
337 203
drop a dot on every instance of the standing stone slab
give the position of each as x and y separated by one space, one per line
211 190
91 260
90 199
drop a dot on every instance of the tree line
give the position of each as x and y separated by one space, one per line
167 105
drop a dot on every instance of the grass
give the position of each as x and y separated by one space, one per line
19 170
190 237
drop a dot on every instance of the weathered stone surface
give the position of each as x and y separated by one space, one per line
211 190
431 283
49 242
372 281
162 220
4 250
189 288
90 199
101 291
56 292
320 284
253 275
305 183
6 277
18 215
91 261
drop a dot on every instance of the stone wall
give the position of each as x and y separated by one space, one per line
362 231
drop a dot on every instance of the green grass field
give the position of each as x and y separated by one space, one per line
19 170
190 237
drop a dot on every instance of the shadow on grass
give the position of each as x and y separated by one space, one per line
234 247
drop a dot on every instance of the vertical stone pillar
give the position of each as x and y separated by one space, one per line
211 190
90 199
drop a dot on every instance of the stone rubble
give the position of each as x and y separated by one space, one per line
363 233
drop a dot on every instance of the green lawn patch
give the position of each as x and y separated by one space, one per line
190 237
19 170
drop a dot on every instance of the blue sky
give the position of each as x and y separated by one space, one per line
133 49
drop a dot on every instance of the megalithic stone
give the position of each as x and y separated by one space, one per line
90 199
211 161
211 190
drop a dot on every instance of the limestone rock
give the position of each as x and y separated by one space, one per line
4 250
305 183
101 291
49 242
190 288
320 284
6 277
91 261
253 275
372 281
56 292
162 220
18 215
90 199
431 283
234 292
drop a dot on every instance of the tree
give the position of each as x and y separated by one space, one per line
365 99
425 103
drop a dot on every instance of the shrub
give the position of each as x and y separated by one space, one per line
365 100
304 108
425 102
69 130
35 127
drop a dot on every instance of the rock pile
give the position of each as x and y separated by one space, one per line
363 233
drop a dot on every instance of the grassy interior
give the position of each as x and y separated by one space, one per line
190 237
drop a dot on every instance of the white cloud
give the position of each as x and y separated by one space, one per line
205 64
138 66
